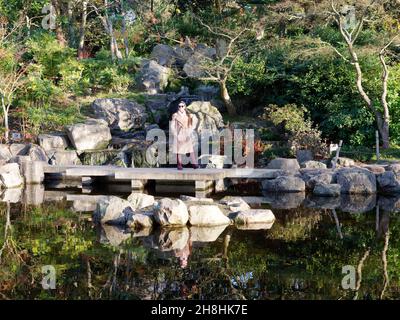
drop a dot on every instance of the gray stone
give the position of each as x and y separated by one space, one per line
11 195
356 181
284 164
171 212
207 92
327 190
389 204
376 169
152 77
5 153
32 171
37 153
172 239
318 202
53 141
64 157
235 204
264 216
207 215
141 220
114 235
389 182
94 134
311 164
10 176
344 162
120 114
113 211
140 200
164 55
208 116
18 149
284 184
395 167
194 66
186 198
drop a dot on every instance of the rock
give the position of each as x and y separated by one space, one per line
182 55
164 55
141 220
53 141
284 184
375 168
395 167
208 116
194 66
64 157
327 190
84 206
356 181
10 176
18 149
152 77
304 156
171 212
32 171
255 226
94 134
212 161
254 216
185 198
5 153
206 234
284 164
120 114
140 200
389 182
344 162
313 165
33 194
157 105
114 235
207 215
235 204
322 178
37 153
114 210
357 203
285 200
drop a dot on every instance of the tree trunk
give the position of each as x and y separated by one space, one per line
227 99
125 35
71 31
6 125
59 32
81 46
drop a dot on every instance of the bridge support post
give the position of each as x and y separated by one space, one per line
203 188
137 185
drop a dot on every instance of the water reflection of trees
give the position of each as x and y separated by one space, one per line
301 257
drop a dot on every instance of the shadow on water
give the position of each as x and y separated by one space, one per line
301 255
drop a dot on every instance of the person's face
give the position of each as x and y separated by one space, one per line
182 107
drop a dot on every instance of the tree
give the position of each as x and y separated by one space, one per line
350 34
229 49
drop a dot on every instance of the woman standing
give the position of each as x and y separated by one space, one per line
182 126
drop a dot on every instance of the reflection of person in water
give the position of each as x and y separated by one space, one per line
183 254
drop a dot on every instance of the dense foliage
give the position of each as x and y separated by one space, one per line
292 54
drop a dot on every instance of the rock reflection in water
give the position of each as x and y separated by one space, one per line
357 203
389 204
285 200
11 195
316 202
114 235
206 234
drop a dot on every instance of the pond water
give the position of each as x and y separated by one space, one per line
314 246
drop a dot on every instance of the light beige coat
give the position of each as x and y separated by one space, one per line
182 133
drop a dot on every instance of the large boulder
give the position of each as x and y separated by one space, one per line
140 200
284 200
356 181
284 164
389 182
10 176
53 141
311 164
19 149
164 55
313 176
5 153
141 220
202 55
344 162
37 153
304 156
235 204
284 184
152 77
114 235
120 114
172 239
207 215
171 212
113 211
208 116
94 134
64 157
254 216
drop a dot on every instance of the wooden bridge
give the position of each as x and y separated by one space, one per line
204 179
